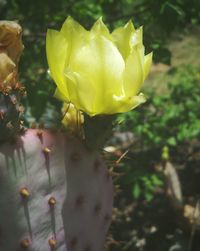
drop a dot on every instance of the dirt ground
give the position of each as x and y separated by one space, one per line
185 49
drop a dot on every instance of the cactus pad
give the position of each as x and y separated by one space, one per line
55 194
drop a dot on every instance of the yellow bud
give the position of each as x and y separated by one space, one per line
72 118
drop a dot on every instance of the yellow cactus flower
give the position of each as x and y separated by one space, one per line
72 118
98 71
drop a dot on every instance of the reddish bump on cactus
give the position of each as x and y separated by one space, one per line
39 133
52 242
97 208
79 200
24 192
41 125
107 218
46 150
97 165
52 201
33 125
73 242
75 156
88 248
25 243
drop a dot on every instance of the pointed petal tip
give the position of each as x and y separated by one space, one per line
50 31
142 97
99 26
100 19
69 19
147 64
71 24
129 25
138 100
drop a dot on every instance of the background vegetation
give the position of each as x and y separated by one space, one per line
166 128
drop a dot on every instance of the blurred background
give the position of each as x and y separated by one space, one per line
155 149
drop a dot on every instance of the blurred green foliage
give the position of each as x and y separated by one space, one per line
143 183
159 18
164 123
170 118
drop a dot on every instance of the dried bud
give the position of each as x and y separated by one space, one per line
10 51
10 40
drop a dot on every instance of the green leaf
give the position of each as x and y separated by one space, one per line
172 141
148 196
136 191
156 181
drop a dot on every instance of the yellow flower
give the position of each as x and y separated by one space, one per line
72 119
98 71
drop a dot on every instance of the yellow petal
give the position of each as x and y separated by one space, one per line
101 64
56 47
59 95
133 74
122 38
137 43
71 26
130 103
99 28
147 64
75 34
82 92
137 37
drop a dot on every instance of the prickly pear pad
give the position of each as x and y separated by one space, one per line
55 194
